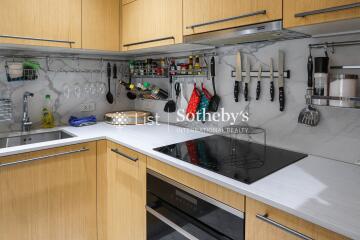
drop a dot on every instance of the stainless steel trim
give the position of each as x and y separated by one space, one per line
266 219
227 19
149 41
115 150
334 44
326 10
269 31
37 39
42 157
170 223
198 194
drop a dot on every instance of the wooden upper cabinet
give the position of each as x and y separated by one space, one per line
127 1
211 15
261 220
51 196
308 12
43 20
121 193
151 23
101 25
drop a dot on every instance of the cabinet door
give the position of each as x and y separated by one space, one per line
211 15
101 25
151 23
307 12
53 197
121 193
259 227
43 20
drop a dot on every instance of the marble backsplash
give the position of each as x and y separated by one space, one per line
336 137
83 84
338 134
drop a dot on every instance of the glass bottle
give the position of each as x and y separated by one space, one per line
47 119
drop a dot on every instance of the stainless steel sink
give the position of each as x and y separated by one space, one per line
12 141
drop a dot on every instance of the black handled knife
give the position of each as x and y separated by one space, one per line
258 86
281 81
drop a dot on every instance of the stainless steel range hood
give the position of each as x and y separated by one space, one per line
270 31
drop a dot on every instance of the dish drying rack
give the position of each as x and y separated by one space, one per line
238 154
5 109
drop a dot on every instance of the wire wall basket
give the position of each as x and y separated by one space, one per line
5 109
15 71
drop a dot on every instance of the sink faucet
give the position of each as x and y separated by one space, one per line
26 123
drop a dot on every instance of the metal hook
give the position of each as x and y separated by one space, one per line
78 64
47 64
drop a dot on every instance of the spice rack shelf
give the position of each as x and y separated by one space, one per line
148 76
341 101
353 100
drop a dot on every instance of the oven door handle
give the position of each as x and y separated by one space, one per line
171 223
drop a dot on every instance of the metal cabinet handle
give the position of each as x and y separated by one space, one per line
115 150
327 10
37 39
266 219
171 223
43 157
227 19
149 41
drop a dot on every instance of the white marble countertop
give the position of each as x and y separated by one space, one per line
322 191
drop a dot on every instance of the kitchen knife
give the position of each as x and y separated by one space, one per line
272 87
114 71
247 79
281 81
258 87
238 77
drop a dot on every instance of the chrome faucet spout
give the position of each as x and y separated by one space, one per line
26 123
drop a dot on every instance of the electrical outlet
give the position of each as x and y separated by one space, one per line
88 107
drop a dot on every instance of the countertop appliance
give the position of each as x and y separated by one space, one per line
176 212
241 160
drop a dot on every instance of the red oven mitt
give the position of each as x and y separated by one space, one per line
193 103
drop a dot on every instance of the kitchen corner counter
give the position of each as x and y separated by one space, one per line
319 190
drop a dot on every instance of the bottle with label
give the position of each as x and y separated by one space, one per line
173 68
191 65
197 65
47 119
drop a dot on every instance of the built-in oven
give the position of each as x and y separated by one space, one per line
176 212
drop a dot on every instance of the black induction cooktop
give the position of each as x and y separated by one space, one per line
241 160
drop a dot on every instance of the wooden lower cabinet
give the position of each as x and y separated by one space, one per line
52 197
121 193
260 229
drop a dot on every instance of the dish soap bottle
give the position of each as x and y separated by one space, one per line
47 114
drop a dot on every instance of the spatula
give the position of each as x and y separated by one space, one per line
109 96
170 106
309 116
215 100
